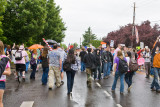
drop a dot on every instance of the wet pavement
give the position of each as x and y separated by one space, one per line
99 95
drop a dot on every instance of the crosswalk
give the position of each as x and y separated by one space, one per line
27 104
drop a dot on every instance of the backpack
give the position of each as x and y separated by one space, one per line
33 61
133 65
123 66
66 66
18 55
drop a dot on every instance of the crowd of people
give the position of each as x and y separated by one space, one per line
98 64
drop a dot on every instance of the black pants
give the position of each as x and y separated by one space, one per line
70 80
128 78
34 67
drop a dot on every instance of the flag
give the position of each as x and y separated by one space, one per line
136 33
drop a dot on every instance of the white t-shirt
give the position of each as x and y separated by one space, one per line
128 60
13 56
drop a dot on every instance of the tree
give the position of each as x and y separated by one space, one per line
147 34
88 37
2 10
54 27
24 20
96 43
64 46
75 45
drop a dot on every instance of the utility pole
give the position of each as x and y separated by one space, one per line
80 42
133 28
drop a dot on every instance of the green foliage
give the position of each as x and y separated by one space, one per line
24 19
64 46
88 37
2 9
96 43
27 21
54 26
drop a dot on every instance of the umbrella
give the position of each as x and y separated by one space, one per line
36 46
51 41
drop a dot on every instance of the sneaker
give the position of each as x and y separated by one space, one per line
153 89
112 90
121 93
129 88
16 77
50 88
158 91
62 82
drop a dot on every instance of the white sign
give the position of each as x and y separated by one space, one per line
146 47
103 45
112 43
142 45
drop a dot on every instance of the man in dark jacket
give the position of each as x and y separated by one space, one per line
3 63
107 59
82 54
90 63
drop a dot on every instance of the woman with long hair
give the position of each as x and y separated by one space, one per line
129 74
72 59
3 77
33 63
117 73
45 65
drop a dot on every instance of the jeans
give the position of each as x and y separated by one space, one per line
155 82
99 72
45 75
147 68
117 75
107 69
128 78
34 67
70 80
82 66
27 65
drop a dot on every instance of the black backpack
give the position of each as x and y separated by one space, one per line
123 66
66 66
18 55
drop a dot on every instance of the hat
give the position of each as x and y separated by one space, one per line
21 47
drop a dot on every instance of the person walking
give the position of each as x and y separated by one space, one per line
63 56
73 60
20 55
82 54
45 65
156 65
147 64
28 58
98 64
118 73
7 71
129 74
33 63
107 61
55 66
90 63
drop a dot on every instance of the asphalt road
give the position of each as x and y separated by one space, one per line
99 95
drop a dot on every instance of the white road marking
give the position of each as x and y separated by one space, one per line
118 105
107 93
98 84
27 104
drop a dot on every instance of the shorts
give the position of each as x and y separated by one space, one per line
22 67
2 85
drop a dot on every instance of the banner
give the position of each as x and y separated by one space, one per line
112 43
142 45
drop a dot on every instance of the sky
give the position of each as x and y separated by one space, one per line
104 16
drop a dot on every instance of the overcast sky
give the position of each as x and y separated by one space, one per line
104 16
